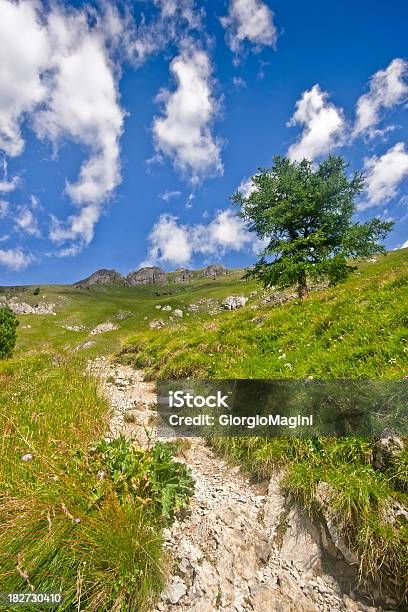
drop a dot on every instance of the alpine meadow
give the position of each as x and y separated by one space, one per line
203 306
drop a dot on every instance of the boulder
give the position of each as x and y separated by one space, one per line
102 328
157 324
178 313
232 302
167 308
387 447
152 275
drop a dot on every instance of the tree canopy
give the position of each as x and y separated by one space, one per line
304 217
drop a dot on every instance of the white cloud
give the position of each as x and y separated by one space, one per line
175 20
24 52
246 187
384 174
57 72
404 245
249 20
15 259
4 208
169 195
184 132
77 227
323 125
6 184
388 88
175 244
26 222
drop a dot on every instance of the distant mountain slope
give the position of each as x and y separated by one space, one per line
150 275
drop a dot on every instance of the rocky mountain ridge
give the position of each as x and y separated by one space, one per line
150 275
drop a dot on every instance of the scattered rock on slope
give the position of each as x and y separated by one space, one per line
102 328
39 309
157 324
233 549
232 302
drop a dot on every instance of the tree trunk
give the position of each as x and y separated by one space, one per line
302 289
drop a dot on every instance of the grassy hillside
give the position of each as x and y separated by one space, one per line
98 304
358 329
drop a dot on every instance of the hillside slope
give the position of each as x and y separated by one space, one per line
357 329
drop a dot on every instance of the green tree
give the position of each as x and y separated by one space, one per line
305 217
8 326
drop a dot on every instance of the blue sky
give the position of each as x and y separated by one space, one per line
125 128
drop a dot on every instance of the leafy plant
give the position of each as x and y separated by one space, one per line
8 326
152 478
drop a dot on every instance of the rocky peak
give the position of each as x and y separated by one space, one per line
152 275
103 277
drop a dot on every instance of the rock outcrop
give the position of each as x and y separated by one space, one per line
183 275
214 270
103 277
152 275
20 308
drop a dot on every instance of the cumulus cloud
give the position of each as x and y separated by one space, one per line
388 88
77 227
323 125
26 222
57 73
24 52
183 133
174 243
15 259
384 175
251 21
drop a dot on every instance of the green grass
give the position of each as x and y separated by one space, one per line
90 307
78 516
358 329
355 330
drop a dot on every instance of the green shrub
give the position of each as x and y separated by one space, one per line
36 291
8 326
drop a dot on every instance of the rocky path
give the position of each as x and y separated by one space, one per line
225 549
